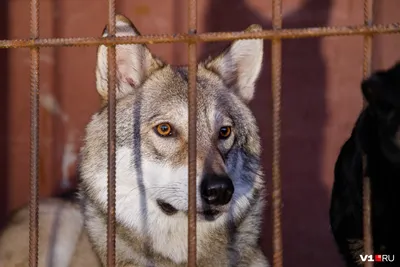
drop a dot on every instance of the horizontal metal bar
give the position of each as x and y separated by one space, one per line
205 37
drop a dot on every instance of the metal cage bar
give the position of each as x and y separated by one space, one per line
192 104
276 67
34 139
367 230
192 38
111 60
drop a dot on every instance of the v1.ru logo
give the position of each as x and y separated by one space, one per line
377 258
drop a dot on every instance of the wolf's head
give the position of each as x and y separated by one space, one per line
152 133
382 92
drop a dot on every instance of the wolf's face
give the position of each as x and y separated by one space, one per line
152 133
382 92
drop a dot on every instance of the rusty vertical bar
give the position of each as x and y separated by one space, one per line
368 248
111 136
192 105
34 140
368 12
276 125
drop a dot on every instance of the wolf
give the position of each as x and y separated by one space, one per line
376 133
152 167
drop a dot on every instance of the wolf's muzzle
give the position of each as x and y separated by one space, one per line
216 189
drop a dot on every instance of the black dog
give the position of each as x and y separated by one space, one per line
377 134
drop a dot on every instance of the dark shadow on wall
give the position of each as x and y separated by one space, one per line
4 83
306 233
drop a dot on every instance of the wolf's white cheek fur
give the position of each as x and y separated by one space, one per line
167 183
138 188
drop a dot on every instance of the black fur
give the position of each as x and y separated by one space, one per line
374 133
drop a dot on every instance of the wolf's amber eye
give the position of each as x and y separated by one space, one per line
164 129
225 132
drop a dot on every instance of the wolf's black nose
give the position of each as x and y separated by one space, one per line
216 189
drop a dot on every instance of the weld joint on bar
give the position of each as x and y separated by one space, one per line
192 36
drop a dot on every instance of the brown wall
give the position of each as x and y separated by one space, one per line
320 98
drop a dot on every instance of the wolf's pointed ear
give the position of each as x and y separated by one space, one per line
240 64
134 62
